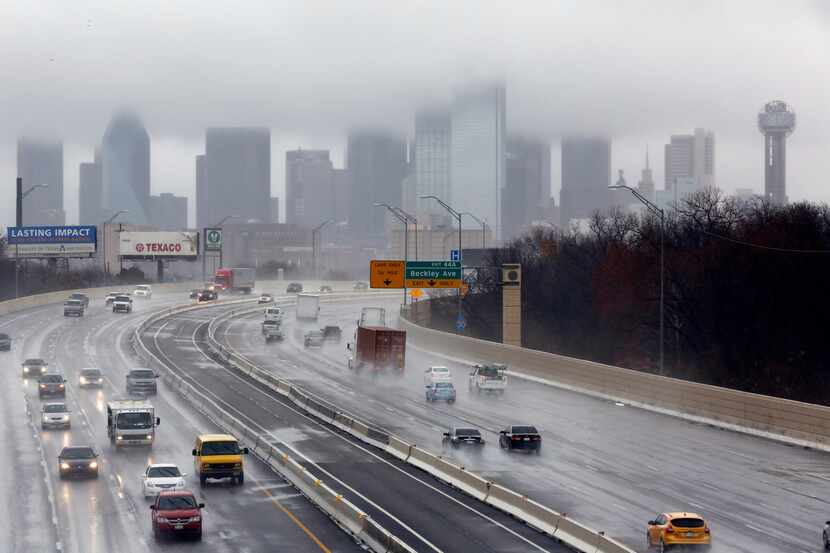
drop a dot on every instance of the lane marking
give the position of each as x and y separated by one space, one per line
293 518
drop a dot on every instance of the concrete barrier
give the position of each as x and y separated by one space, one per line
790 421
398 448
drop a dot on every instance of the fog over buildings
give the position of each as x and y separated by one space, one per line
634 72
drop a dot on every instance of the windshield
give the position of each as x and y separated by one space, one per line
78 296
163 472
220 448
142 373
443 370
91 373
55 408
143 288
73 302
171 503
524 430
490 371
34 362
218 279
51 378
467 432
134 421
77 453
122 298
443 385
687 522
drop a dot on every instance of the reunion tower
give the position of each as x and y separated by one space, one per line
777 122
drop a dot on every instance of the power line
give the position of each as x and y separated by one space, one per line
761 246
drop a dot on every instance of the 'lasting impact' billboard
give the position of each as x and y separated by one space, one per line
145 245
47 241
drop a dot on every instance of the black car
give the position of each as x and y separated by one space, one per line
463 435
332 332
520 436
34 367
5 342
194 294
75 460
207 295
294 288
326 289
83 298
91 378
51 385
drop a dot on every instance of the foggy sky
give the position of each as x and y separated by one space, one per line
636 71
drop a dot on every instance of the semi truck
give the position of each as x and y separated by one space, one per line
308 306
236 279
376 345
131 422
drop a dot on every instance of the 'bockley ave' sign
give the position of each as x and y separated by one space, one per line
52 241
433 274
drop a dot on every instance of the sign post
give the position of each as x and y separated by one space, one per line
212 243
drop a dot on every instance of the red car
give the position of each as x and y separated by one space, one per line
177 513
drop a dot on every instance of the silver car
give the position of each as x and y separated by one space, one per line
54 415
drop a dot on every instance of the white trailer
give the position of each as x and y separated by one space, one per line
308 306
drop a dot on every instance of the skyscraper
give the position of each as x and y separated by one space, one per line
646 184
586 174
777 122
168 212
236 175
691 156
125 168
433 142
309 187
90 191
41 162
477 165
377 162
527 185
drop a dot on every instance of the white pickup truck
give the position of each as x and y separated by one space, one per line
487 378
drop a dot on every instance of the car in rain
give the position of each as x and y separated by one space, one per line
91 378
677 529
143 291
83 298
176 513
265 298
326 289
54 415
294 288
332 333
159 477
360 286
77 460
314 339
34 367
488 378
440 391
74 308
520 436
141 381
108 299
463 435
5 342
122 303
51 385
194 293
207 295
437 374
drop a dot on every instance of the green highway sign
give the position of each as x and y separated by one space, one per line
433 274
213 239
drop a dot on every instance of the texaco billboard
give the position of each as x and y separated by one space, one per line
159 244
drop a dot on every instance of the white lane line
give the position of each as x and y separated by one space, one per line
368 452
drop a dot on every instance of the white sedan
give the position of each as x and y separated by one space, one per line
434 375
161 476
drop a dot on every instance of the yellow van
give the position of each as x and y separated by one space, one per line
218 456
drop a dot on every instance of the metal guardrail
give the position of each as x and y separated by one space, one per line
544 519
362 527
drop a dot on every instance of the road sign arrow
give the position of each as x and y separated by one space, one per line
431 283
387 282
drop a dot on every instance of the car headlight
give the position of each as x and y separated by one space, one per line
60 386
65 418
83 380
205 465
65 466
237 465
43 370
25 369
162 519
93 465
43 385
45 418
196 519
149 436
119 437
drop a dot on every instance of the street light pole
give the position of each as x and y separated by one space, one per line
20 194
222 245
316 232
106 239
411 219
661 214
457 216
403 219
483 227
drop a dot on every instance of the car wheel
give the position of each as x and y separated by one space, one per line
825 540
202 480
241 478
662 547
198 536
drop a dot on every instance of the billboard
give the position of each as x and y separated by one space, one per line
145 245
52 241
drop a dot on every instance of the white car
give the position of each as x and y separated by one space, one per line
143 291
433 375
54 415
160 477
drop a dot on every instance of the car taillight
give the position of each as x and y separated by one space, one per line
516 438
706 529
669 530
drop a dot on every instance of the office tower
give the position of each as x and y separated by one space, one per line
168 212
586 174
90 192
691 156
477 152
275 210
377 162
125 172
234 176
432 147
776 122
309 187
41 162
646 184
343 185
527 185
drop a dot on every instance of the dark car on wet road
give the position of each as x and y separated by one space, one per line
78 460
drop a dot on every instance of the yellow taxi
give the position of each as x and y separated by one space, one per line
669 529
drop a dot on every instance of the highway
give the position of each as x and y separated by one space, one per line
42 513
611 466
428 515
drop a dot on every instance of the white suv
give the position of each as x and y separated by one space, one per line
434 375
143 290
